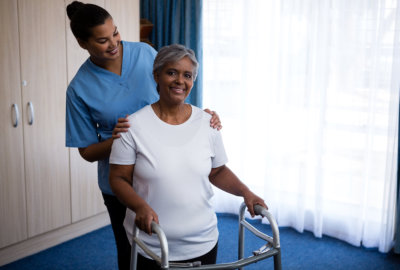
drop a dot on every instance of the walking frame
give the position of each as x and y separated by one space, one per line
270 249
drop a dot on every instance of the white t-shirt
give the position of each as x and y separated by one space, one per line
172 165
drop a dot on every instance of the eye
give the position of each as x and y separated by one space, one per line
116 33
101 41
188 75
171 72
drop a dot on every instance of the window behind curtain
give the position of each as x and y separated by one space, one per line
308 95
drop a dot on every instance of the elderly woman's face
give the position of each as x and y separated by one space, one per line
175 80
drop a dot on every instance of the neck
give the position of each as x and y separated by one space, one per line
174 115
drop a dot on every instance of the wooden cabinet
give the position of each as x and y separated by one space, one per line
123 11
12 174
44 73
34 161
48 193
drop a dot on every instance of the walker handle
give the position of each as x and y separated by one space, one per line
262 211
163 260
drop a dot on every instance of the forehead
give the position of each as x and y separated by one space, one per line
184 64
103 30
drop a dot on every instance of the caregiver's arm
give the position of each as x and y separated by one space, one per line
102 150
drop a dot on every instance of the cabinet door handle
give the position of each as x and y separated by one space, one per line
31 113
15 115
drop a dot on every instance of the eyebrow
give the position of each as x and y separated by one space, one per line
174 69
115 30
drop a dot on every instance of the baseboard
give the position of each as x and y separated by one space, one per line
53 238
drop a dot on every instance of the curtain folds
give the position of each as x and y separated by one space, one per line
178 21
312 118
397 224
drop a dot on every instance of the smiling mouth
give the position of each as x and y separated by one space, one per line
114 51
177 90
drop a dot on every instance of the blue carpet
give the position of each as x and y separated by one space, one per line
299 251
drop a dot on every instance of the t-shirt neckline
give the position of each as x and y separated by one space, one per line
155 116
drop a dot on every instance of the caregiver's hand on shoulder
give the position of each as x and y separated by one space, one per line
215 121
121 126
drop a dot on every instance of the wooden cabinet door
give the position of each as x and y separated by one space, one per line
44 68
126 14
86 196
12 176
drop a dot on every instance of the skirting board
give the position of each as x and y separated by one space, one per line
53 238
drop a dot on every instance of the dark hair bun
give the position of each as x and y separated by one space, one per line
73 7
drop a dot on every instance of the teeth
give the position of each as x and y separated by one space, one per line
177 89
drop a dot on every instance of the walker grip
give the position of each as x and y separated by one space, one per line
260 210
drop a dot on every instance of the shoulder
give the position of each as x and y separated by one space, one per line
205 118
81 79
138 47
141 120
141 114
199 114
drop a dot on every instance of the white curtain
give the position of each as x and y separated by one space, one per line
308 94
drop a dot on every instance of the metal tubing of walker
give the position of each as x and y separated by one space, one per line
241 232
259 210
243 224
134 248
163 261
277 260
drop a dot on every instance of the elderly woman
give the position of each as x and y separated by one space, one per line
163 167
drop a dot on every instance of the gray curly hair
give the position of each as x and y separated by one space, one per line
174 53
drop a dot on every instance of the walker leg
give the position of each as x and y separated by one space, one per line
277 261
241 237
133 265
133 256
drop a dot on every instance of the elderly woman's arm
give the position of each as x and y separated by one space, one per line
121 185
223 178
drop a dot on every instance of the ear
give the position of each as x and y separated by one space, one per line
82 43
156 77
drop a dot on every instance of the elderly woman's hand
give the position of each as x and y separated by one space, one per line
121 126
214 122
251 199
144 216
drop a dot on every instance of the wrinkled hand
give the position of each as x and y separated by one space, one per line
251 199
121 126
214 122
144 216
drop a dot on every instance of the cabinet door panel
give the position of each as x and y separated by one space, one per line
85 193
126 16
86 196
43 67
12 177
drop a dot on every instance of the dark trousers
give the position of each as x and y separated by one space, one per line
117 211
148 264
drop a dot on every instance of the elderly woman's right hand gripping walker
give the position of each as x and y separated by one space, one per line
270 249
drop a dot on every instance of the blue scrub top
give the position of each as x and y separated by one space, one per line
96 98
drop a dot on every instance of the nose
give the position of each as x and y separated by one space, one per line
113 43
179 79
